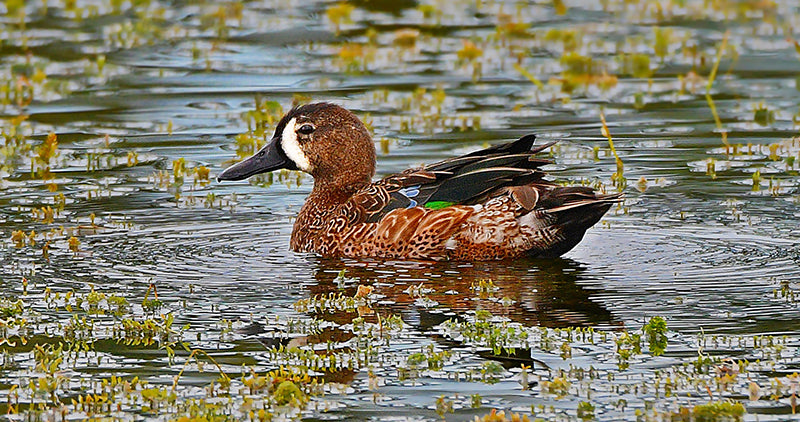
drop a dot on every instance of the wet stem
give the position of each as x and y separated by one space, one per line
618 177
223 376
710 101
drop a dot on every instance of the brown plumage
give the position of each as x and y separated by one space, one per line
490 204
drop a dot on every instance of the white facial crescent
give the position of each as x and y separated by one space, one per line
291 147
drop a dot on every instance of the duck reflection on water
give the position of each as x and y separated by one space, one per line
533 292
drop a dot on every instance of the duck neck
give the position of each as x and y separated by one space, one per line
320 207
334 191
324 197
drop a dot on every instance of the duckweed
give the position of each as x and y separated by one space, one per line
299 380
714 411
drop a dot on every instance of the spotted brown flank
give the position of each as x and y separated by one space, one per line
490 204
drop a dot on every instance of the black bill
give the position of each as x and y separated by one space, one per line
269 158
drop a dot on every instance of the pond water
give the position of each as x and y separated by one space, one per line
150 100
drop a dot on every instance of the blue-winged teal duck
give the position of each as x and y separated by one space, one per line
490 204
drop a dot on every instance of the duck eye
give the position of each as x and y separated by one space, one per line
305 129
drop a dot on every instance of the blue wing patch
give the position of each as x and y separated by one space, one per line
410 192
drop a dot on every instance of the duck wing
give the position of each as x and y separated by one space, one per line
463 180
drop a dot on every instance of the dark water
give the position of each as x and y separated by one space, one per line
163 81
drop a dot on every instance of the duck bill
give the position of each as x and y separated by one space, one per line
269 158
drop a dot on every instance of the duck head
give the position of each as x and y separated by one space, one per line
322 139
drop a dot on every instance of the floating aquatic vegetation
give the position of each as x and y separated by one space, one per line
571 40
484 287
500 416
656 332
219 20
430 111
763 116
508 28
296 385
636 65
201 175
406 38
44 154
340 14
662 39
770 169
73 68
334 302
355 58
260 121
723 410
74 244
469 54
581 71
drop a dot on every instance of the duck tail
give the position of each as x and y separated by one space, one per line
572 211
